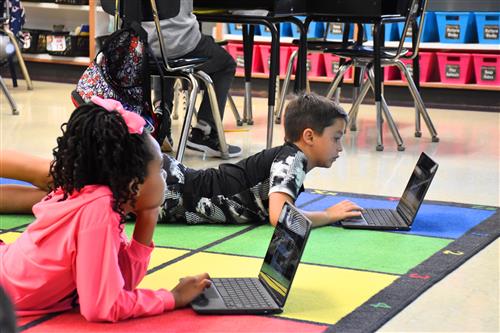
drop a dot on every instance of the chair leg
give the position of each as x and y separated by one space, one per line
12 69
12 103
233 107
19 56
419 103
247 109
338 77
180 96
353 113
284 89
189 115
382 107
209 85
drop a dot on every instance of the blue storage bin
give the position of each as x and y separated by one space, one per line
487 24
391 31
285 30
237 29
316 29
430 32
335 31
456 27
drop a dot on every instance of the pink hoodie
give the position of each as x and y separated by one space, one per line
76 250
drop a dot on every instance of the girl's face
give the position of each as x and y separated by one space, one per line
151 192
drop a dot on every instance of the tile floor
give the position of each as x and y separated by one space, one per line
468 154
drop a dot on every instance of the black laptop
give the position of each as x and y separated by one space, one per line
267 293
402 218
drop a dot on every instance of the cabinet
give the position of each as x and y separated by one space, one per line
43 15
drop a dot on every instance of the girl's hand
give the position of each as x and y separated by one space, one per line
342 210
189 288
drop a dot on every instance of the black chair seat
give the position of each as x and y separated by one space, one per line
361 51
322 44
181 62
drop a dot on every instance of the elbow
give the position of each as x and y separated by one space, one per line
93 314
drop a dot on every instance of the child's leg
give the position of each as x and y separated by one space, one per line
19 199
29 168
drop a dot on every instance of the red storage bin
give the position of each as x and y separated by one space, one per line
315 65
391 73
455 67
427 61
332 63
487 68
265 52
236 51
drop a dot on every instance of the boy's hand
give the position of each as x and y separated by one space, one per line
343 210
189 288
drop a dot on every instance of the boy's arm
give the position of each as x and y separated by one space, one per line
330 215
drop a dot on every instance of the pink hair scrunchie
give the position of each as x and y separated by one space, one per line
134 122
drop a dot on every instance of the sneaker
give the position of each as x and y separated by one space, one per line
165 130
209 144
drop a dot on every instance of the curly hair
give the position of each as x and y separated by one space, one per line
97 149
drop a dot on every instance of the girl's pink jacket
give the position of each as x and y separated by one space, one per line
76 252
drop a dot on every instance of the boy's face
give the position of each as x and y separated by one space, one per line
328 145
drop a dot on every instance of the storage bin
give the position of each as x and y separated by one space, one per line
332 63
237 52
390 32
237 29
430 32
456 27
391 73
487 24
316 29
265 52
335 31
427 62
455 67
487 68
35 41
64 44
315 65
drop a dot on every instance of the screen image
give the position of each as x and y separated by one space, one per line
284 252
417 187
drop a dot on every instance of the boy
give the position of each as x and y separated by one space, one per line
255 189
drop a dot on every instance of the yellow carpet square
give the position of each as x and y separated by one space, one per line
10 237
319 294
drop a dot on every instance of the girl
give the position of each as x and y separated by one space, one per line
75 252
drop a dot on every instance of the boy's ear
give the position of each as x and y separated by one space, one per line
308 136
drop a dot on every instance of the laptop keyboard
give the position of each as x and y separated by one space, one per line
243 293
382 217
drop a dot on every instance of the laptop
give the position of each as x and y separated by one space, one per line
402 218
268 292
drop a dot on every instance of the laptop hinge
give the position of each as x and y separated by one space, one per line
403 211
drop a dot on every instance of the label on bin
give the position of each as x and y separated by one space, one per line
26 40
308 65
335 67
56 43
452 71
488 73
452 31
336 28
490 32
240 61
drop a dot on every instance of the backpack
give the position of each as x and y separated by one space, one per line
120 71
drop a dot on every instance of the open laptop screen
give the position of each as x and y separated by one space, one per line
284 252
417 187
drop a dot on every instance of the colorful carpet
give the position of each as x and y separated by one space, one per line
349 280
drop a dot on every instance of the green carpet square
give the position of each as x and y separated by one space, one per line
385 252
14 221
188 236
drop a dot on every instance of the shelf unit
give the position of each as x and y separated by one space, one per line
43 15
423 46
